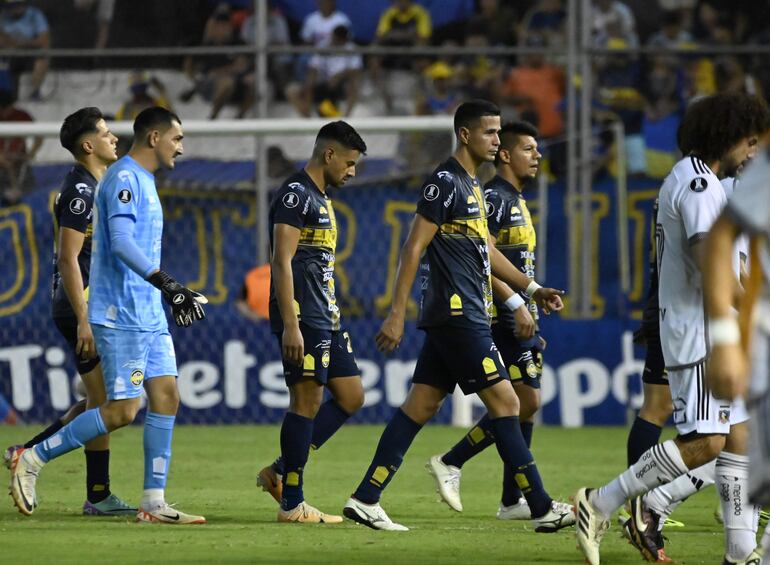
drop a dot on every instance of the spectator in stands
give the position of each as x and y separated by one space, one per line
620 85
498 21
731 76
662 115
318 27
16 176
221 79
25 27
404 24
254 298
612 18
146 91
104 12
329 79
672 32
478 75
536 88
546 20
278 65
440 95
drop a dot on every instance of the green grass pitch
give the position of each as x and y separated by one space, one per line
213 473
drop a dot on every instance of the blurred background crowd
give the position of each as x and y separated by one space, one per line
646 91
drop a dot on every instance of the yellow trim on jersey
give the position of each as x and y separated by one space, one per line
475 227
309 363
514 373
318 237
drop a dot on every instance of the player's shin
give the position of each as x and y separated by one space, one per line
394 443
515 454
658 465
741 518
296 434
158 432
81 430
478 438
664 499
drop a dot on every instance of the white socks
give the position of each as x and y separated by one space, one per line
660 464
741 517
664 499
153 498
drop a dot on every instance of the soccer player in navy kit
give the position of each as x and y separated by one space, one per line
128 321
514 328
317 351
86 135
450 244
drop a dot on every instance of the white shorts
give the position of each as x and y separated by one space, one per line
696 409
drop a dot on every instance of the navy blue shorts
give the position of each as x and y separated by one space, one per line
459 356
524 363
328 354
68 328
654 365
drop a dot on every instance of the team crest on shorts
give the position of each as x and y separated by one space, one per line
531 370
325 359
137 377
724 415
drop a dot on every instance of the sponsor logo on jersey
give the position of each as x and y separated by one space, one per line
125 196
77 206
431 192
698 184
290 200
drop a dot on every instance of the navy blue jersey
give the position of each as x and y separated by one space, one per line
510 223
300 203
73 209
455 273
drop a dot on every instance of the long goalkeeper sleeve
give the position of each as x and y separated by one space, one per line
125 248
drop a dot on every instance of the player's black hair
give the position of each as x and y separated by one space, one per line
76 125
510 133
152 118
469 112
343 133
713 125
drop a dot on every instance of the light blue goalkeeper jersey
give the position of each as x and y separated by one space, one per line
119 297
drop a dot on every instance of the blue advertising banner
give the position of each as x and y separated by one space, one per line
229 366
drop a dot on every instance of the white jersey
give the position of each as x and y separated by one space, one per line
690 201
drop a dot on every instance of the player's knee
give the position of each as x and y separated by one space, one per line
119 414
352 401
529 401
699 449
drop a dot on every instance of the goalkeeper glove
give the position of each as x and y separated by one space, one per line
186 304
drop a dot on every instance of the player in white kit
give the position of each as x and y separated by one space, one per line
718 131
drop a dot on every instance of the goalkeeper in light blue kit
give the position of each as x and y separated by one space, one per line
126 314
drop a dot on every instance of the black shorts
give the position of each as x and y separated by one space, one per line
328 354
524 363
459 356
68 327
654 365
